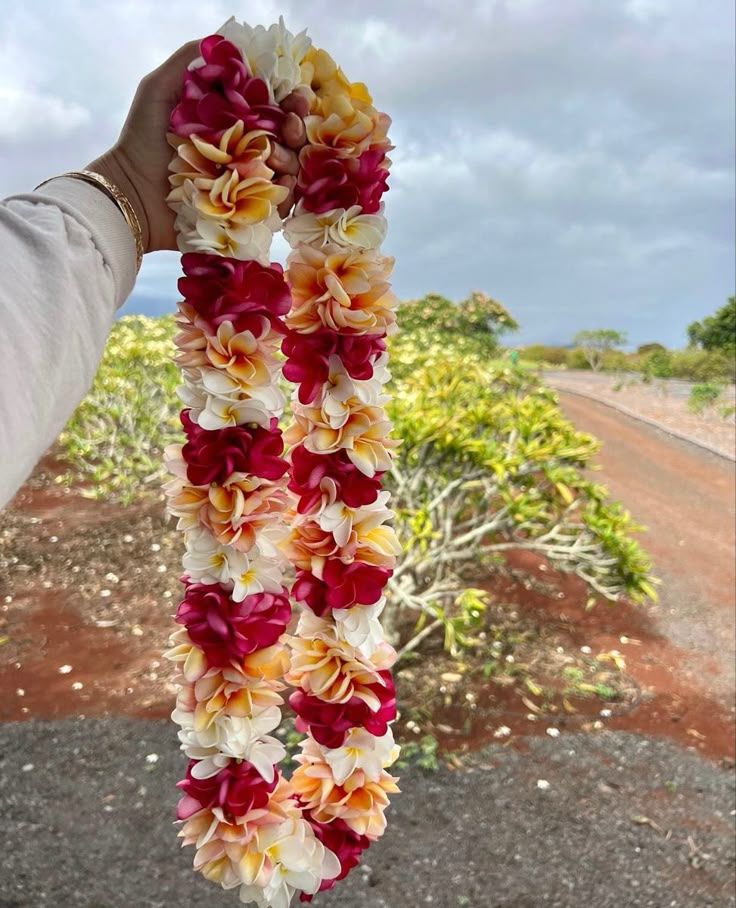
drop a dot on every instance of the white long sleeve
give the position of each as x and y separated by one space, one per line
68 263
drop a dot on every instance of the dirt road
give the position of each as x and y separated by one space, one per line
686 497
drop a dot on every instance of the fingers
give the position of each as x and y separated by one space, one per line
290 182
283 160
296 103
168 77
293 132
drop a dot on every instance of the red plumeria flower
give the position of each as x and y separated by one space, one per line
238 788
226 630
220 93
308 358
220 289
213 456
327 180
329 723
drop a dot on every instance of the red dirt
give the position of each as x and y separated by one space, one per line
671 705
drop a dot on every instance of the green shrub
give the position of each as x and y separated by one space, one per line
488 463
615 361
538 353
576 359
703 397
703 365
116 437
645 349
657 364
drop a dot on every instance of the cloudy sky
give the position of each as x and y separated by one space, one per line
572 158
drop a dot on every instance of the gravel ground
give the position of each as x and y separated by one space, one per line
624 822
665 402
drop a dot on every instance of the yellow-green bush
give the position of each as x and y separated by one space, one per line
703 365
539 353
487 463
116 437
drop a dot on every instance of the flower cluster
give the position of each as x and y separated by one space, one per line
340 542
243 506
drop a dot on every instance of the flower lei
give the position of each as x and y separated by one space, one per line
243 506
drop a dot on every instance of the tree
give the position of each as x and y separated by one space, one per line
716 332
472 325
598 342
480 313
645 349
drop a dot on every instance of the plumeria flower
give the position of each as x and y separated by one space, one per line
259 574
326 666
364 437
207 561
239 737
272 54
248 356
282 860
236 241
341 394
340 520
341 289
359 626
216 400
360 800
364 751
343 227
189 659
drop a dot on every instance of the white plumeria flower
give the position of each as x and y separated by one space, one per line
208 561
208 764
272 54
236 241
219 413
359 626
299 860
174 461
347 228
290 52
311 625
340 520
362 750
239 737
258 574
268 544
217 400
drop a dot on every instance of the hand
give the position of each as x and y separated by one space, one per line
138 163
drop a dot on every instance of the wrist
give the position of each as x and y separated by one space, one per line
111 167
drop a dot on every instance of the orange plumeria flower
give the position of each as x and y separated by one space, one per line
344 290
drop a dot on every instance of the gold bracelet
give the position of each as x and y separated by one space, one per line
120 199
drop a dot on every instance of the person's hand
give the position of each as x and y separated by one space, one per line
138 163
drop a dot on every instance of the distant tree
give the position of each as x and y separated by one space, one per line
475 323
596 343
644 349
481 313
716 332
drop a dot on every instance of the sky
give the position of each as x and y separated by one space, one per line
573 159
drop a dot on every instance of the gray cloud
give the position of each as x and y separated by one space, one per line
573 159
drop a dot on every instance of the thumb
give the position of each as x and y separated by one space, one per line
167 79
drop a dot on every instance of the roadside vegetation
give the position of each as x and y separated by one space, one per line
489 468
